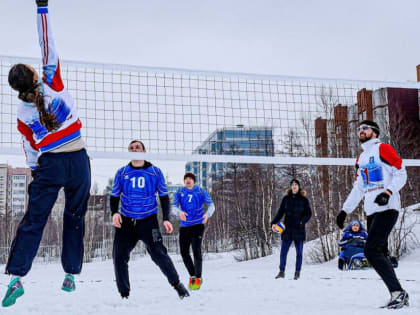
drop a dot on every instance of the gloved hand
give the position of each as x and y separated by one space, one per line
33 173
41 3
382 199
340 219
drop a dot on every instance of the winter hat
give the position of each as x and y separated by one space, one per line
372 125
190 175
294 180
355 223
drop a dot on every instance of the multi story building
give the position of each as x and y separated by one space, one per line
3 188
237 140
341 125
18 180
352 140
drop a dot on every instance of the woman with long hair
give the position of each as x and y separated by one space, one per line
48 121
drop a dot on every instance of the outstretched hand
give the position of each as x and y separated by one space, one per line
41 3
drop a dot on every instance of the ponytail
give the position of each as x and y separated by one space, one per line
21 80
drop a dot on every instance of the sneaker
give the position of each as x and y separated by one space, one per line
68 284
14 290
190 283
197 284
398 300
181 290
297 275
280 274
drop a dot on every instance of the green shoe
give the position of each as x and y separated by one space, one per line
197 284
190 283
14 290
68 284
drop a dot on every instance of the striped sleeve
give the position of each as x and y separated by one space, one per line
31 152
207 198
161 185
390 157
176 210
50 61
209 202
117 185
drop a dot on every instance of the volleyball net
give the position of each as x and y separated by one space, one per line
200 116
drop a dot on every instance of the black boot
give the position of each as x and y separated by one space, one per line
280 274
181 290
297 275
125 295
340 263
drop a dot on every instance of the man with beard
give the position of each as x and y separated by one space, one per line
380 174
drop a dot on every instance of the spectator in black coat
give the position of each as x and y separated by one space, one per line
297 211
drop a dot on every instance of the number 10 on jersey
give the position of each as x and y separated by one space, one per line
140 181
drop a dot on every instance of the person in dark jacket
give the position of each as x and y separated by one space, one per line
297 211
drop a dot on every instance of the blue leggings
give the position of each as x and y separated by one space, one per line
285 245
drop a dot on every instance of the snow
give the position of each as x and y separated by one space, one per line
229 287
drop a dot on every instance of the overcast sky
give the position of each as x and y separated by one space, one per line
366 40
358 39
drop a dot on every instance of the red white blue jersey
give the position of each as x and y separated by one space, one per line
378 168
192 202
137 188
36 137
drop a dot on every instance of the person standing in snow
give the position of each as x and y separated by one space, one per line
295 206
188 205
136 185
380 174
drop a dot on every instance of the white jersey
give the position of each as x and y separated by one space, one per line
36 137
378 168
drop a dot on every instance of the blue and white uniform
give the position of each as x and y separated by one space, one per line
36 137
192 202
378 168
137 188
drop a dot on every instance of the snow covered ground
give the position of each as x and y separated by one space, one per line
229 287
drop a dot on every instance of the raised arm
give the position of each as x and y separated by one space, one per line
50 61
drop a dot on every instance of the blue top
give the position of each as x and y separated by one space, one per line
192 202
353 239
137 187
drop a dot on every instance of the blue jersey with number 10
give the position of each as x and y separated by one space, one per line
192 202
137 188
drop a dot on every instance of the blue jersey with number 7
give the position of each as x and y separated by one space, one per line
137 188
192 202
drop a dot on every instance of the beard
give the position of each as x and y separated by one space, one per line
365 138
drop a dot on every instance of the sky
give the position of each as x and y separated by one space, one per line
365 40
359 39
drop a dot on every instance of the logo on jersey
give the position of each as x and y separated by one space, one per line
372 174
39 130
